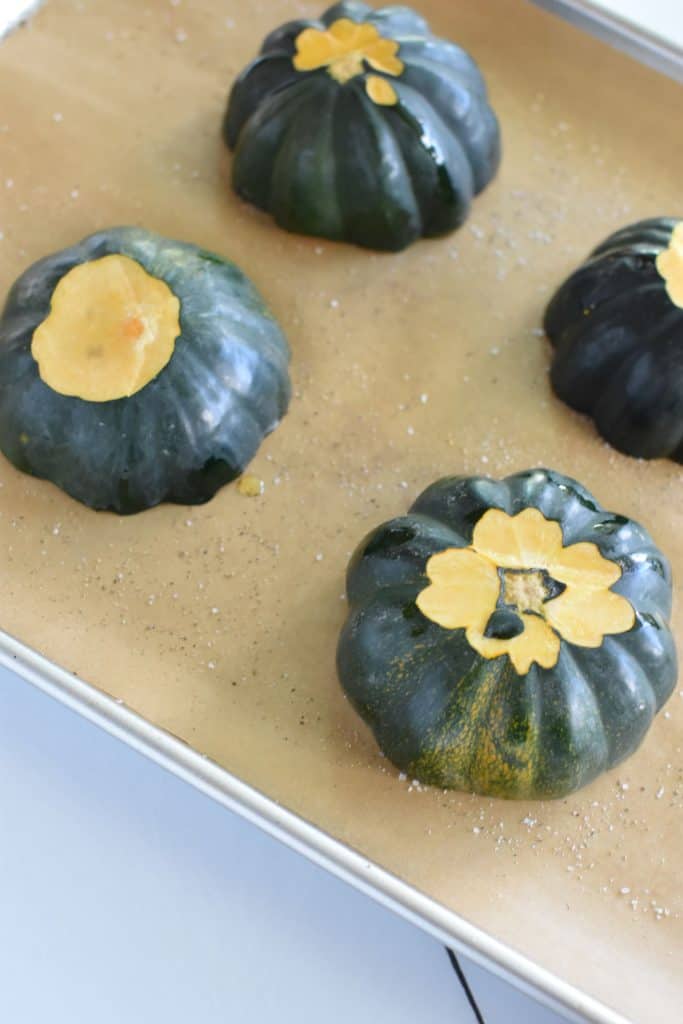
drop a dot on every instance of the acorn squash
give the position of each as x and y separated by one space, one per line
508 637
136 370
362 127
616 325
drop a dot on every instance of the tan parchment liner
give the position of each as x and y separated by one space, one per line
219 623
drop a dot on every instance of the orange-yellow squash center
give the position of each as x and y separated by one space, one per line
670 266
112 327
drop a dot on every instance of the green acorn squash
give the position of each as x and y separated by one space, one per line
508 637
362 127
136 370
616 325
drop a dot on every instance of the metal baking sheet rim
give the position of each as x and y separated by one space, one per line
183 761
645 46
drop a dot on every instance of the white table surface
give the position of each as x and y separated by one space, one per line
128 896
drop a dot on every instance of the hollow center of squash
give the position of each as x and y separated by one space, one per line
525 591
670 266
111 329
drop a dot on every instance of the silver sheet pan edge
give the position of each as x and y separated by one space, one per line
317 846
645 46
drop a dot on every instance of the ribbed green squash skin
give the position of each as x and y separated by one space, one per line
453 719
186 433
618 343
325 160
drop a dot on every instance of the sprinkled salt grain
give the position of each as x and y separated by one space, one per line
74 193
57 117
56 528
402 776
188 522
410 430
484 458
660 793
180 35
424 398
319 557
403 484
495 350
211 664
334 303
537 332
9 182
625 890
214 611
476 830
318 250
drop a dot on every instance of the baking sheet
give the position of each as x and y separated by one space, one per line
651 33
219 623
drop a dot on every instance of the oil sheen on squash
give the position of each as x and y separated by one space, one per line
508 637
616 327
111 329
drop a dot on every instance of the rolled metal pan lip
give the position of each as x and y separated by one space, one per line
644 44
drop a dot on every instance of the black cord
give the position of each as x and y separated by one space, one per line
478 1016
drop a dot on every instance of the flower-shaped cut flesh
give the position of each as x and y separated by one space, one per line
344 49
519 564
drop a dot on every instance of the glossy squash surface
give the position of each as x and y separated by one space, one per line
616 325
362 126
135 370
508 637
